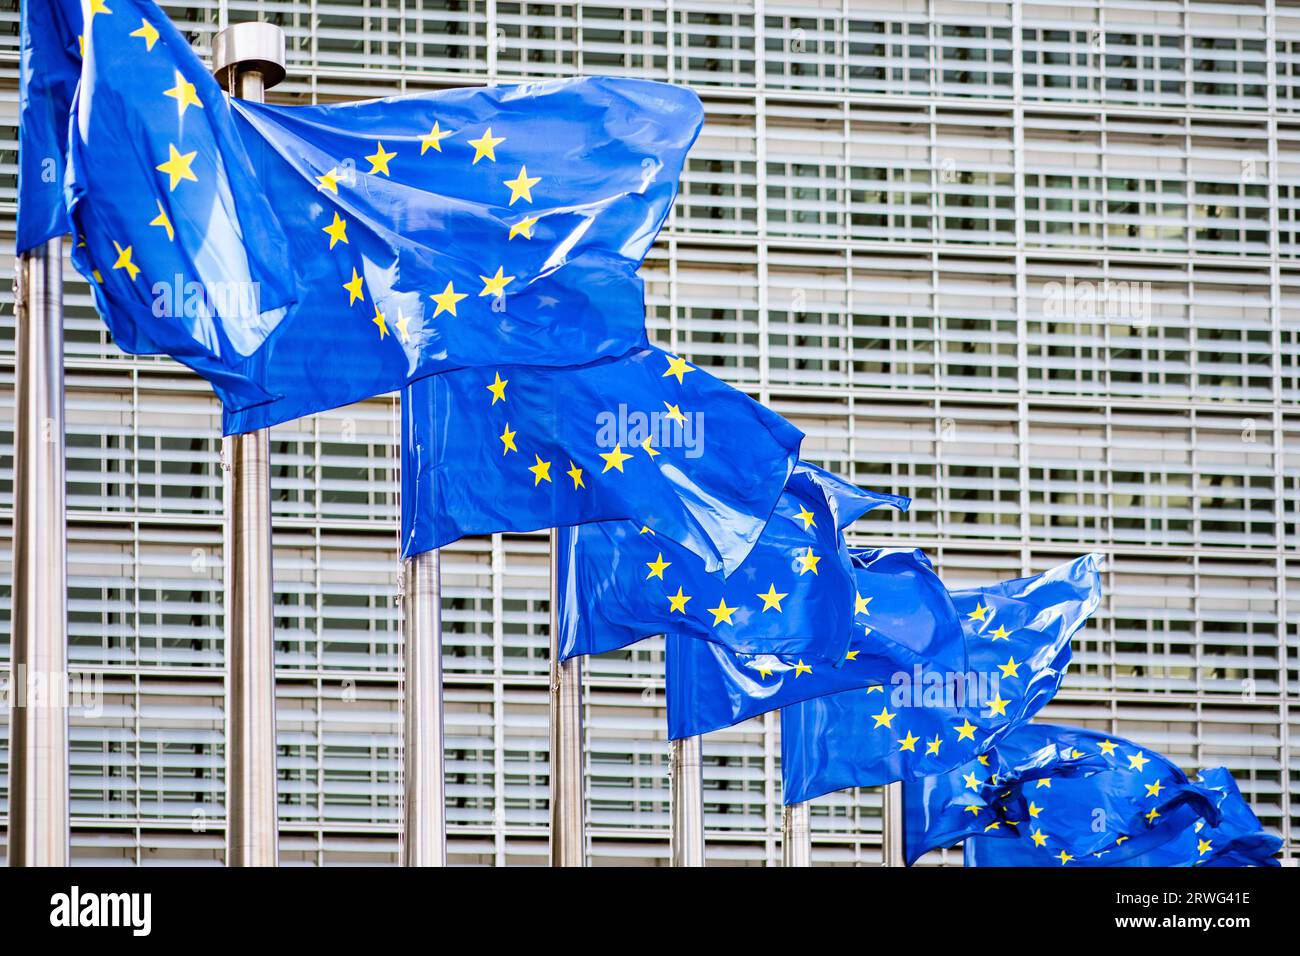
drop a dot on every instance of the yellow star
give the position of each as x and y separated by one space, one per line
162 220
124 261
983 760
1138 762
763 666
876 688
508 440
972 808
1203 847
1120 840
614 459
860 604
495 286
657 567
354 288
177 167
146 33
337 231
1039 837
575 473
909 742
979 613
541 471
772 599
379 159
1153 815
807 562
678 368
883 718
98 6
402 324
380 321
966 731
1153 789
1010 668
1034 810
524 227
851 655
675 414
184 94
932 746
993 826
806 517
1001 634
521 186
328 181
677 602
646 529
433 139
1107 748
486 145
447 300
722 612
1045 782
972 782
1064 857
648 449
498 388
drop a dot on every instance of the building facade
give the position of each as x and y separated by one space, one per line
1036 265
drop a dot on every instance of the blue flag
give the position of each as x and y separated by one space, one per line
517 448
793 595
465 228
1239 839
182 249
1017 647
899 616
49 66
1137 801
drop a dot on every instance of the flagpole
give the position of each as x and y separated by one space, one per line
567 810
687 774
796 837
424 809
38 725
891 825
247 59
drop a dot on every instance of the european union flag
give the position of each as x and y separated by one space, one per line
181 245
932 721
49 67
1239 839
1138 802
899 615
793 595
465 228
645 437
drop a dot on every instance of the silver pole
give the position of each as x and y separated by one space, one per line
424 810
687 775
247 59
567 811
796 838
891 825
38 720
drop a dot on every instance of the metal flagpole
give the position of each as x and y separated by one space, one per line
248 58
687 775
424 808
38 720
567 810
796 838
891 817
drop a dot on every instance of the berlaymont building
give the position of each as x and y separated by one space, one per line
1035 265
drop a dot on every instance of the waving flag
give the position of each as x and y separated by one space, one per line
1017 646
1139 801
645 437
49 66
793 595
900 616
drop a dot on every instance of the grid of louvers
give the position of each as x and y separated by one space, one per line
1034 265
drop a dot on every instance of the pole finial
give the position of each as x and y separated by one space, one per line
252 46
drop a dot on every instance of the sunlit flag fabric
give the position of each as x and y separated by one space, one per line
49 66
1017 648
1140 801
180 244
793 595
900 616
517 448
1239 839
